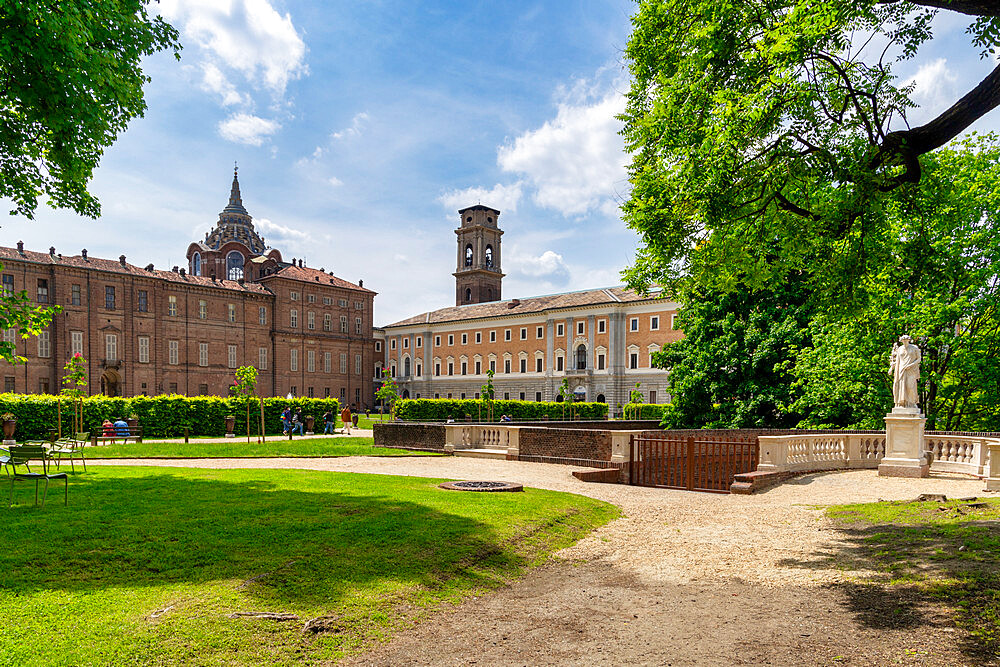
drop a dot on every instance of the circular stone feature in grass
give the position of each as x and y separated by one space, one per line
481 486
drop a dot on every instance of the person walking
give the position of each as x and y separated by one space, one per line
328 422
286 420
297 422
345 416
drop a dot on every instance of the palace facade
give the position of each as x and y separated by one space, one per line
237 303
600 341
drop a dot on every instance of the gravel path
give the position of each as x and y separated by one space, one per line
682 578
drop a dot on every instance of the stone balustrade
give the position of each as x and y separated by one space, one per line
482 436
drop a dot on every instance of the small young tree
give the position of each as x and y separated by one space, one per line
245 385
487 393
75 381
388 393
564 395
634 403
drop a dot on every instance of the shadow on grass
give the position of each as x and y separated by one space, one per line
308 546
917 569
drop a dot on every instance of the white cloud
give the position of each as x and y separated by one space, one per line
502 197
576 161
334 181
934 89
248 36
214 81
548 267
354 129
247 129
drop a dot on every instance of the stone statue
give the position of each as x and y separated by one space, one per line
905 370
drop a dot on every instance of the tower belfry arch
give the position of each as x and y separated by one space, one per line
478 273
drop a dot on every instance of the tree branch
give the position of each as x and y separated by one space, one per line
970 7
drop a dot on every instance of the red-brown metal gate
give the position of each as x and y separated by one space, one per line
689 463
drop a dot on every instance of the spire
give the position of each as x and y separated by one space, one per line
235 200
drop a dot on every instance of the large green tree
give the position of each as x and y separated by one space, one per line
70 81
768 135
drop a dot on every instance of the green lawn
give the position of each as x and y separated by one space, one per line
943 551
145 565
275 446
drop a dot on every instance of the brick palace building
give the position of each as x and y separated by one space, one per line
599 340
237 303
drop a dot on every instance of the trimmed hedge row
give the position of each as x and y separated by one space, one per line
160 416
648 411
439 409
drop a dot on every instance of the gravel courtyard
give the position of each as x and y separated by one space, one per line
683 578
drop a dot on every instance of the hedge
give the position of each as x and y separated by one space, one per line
160 416
648 411
440 409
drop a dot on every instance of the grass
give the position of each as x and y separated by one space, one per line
949 552
274 446
146 565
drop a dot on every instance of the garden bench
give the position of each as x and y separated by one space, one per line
134 433
21 455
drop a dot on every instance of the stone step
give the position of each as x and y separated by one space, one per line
500 454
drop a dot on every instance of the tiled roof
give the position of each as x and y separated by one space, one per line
115 266
315 276
534 304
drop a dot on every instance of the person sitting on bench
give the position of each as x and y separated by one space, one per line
121 428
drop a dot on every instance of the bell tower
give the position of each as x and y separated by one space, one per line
478 276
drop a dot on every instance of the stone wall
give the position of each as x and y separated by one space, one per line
565 443
423 437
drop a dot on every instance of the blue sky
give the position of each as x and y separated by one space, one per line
361 127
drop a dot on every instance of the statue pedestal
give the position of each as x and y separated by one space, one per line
904 444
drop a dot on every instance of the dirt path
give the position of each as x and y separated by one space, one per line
683 578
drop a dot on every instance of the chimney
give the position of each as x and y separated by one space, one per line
20 247
300 263
149 267
361 283
241 280
52 250
183 272
84 254
174 269
121 259
514 303
213 276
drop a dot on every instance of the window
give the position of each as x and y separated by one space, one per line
110 346
172 354
143 349
358 305
234 265
196 264
465 368
327 362
493 365
601 325
479 367
468 255
143 301
559 329
378 346
451 368
524 333
579 328
202 309
293 390
654 323
652 397
9 335
524 365
231 312
309 392
420 341
311 298
310 361
406 343
43 290
327 322
109 297
45 344
261 315
232 356
343 393
493 336
8 384
203 354
293 296
559 363
326 392
633 360
326 302
357 365
76 342
342 303
343 364
521 396
357 325
451 340
437 341
489 256
633 324
506 396
74 297
262 358
506 334
392 343
203 390
581 358
538 365
418 373
343 324
310 320
673 320
172 306
437 369
43 386
506 365
293 318
465 339
539 332
600 362
293 360
8 285
538 396
468 295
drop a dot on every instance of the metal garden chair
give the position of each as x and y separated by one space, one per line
70 448
21 455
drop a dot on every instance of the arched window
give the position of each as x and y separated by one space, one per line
468 295
468 255
234 265
581 358
196 264
489 256
489 294
406 367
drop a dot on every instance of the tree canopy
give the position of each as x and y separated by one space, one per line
70 81
768 135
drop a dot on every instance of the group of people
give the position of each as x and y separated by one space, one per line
293 422
117 429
